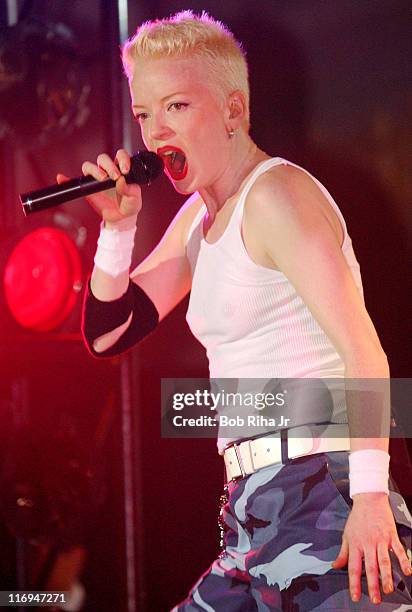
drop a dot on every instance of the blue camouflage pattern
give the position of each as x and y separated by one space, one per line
283 529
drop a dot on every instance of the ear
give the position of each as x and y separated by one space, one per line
236 109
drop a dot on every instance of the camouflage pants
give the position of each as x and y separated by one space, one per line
283 529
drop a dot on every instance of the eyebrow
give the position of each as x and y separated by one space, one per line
177 93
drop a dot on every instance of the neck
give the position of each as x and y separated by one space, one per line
243 156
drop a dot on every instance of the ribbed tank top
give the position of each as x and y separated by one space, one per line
250 318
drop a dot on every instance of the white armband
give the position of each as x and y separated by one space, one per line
114 250
368 471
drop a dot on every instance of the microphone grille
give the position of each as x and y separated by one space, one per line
145 167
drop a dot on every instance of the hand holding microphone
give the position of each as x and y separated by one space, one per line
124 173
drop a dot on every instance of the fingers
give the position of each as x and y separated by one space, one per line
90 169
372 575
123 201
377 564
374 564
355 573
342 558
104 162
106 166
371 535
123 160
103 168
399 551
381 563
372 572
385 568
61 178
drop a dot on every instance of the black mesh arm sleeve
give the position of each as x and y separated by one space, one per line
102 317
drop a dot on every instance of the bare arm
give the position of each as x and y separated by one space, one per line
286 210
299 239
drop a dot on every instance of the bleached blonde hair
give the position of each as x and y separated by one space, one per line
188 35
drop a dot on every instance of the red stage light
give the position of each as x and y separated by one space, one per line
42 279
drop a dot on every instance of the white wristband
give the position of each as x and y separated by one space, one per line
368 471
114 250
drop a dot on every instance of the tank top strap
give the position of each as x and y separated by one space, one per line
196 227
194 237
260 169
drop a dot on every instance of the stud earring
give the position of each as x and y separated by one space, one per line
231 133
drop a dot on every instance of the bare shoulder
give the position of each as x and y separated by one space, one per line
191 208
283 188
287 195
187 214
179 227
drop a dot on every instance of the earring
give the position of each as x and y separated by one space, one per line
231 133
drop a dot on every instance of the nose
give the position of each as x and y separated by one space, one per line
158 128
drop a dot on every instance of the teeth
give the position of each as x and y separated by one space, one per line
174 160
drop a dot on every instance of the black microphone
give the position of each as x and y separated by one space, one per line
145 167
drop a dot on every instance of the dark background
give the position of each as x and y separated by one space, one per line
330 89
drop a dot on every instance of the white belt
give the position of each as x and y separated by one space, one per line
251 455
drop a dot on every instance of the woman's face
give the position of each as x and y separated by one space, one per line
181 118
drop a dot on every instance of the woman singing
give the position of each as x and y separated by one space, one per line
275 292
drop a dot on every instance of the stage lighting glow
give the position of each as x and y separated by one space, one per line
42 279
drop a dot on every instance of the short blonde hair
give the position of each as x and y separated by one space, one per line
188 35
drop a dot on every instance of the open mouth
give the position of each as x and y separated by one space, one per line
175 162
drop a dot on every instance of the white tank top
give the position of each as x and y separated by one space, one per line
249 318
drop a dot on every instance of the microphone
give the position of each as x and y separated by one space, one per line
144 169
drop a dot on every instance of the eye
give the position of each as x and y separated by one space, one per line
140 117
177 106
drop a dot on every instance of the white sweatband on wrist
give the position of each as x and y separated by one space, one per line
368 471
114 250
